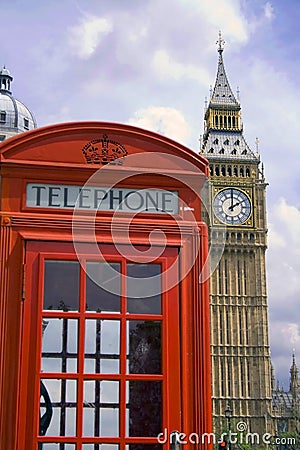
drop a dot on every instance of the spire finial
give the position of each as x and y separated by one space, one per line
220 42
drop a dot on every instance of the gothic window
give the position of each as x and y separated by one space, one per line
222 151
221 121
221 327
233 152
226 142
237 142
244 152
233 122
226 276
245 278
217 170
235 171
217 120
2 116
228 328
220 278
26 124
229 120
229 379
247 327
211 150
211 170
249 377
222 378
216 141
239 278
223 171
225 119
251 237
229 170
247 172
239 236
241 171
242 377
241 327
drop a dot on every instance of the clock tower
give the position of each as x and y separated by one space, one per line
240 353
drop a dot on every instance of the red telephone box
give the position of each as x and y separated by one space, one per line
104 320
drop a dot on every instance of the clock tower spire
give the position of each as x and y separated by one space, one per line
241 366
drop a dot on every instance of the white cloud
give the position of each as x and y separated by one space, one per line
85 38
291 331
224 14
284 282
269 11
285 226
163 120
165 67
283 255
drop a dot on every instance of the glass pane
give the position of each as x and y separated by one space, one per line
100 447
144 346
102 346
144 288
61 285
58 407
143 447
101 422
101 408
59 345
61 446
141 421
103 287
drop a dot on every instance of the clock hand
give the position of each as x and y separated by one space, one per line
233 206
231 197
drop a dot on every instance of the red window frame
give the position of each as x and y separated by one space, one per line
36 254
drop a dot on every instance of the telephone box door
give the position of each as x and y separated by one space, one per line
104 372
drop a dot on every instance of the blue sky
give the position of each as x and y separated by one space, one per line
150 63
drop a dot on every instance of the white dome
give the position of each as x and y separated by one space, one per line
15 117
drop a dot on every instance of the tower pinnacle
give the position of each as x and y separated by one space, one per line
220 42
223 132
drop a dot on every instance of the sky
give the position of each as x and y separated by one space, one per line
150 63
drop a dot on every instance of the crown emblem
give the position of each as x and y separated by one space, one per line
104 151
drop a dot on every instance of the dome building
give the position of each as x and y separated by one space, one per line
15 117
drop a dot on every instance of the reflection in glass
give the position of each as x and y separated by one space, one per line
63 397
48 446
102 346
144 288
59 345
102 422
141 421
101 408
100 447
61 285
144 346
103 287
143 447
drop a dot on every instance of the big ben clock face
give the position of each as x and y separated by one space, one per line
232 206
